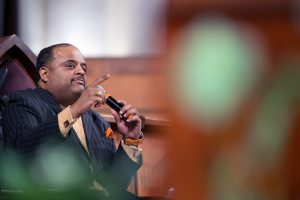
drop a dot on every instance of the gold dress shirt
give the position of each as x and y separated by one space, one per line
66 122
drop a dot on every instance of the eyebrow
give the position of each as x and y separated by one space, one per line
74 61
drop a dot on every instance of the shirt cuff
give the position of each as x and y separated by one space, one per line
65 121
133 152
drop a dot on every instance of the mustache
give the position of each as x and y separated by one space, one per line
79 78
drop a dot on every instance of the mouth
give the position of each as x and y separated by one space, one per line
79 80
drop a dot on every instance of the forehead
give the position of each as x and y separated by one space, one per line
64 53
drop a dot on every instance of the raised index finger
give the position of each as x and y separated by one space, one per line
100 80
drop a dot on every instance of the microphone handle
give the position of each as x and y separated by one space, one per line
112 102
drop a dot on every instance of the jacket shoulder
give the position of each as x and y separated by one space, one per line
23 93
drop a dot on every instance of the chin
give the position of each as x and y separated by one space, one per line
78 90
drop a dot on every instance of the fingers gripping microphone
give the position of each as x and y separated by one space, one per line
111 102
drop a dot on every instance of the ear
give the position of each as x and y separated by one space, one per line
44 74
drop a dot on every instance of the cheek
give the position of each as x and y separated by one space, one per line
57 79
61 80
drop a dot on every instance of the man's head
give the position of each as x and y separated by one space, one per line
62 71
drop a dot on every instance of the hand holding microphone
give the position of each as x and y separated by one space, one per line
128 120
114 104
110 101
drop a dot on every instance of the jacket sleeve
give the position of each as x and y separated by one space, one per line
122 168
24 125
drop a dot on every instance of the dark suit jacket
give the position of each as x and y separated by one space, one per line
30 122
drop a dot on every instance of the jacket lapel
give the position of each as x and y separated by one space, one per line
51 102
87 121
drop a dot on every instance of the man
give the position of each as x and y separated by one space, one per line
58 114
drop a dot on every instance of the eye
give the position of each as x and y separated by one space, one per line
84 68
70 65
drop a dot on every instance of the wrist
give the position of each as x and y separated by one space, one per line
134 141
74 112
138 136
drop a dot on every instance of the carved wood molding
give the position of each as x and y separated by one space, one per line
12 47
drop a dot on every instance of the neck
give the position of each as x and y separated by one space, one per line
41 84
63 100
62 106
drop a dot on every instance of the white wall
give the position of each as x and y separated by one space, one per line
99 28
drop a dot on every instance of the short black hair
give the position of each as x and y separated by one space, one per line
45 56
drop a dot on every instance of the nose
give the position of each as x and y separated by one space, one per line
79 70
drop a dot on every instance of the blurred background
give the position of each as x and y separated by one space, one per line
218 82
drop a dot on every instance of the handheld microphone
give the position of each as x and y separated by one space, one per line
111 102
